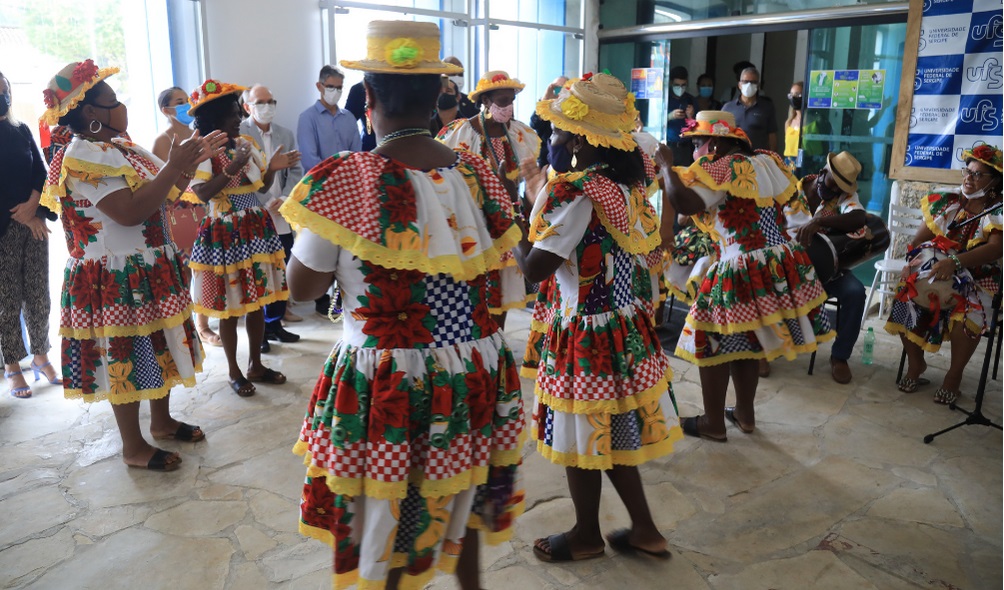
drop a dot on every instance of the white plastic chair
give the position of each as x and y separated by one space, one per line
903 223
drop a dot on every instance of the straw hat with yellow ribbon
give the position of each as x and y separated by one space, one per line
985 153
495 80
402 47
714 124
68 87
585 108
211 90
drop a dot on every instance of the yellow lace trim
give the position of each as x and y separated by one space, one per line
605 462
773 318
53 193
127 331
244 309
415 258
133 396
686 297
901 330
317 533
929 221
632 243
790 353
527 372
276 259
607 406
694 173
596 136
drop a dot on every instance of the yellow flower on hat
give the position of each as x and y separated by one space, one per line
573 108
403 52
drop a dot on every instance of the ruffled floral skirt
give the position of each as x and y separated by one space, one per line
406 449
763 304
127 328
238 264
603 393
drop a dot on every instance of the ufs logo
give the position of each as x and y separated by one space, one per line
918 81
913 118
922 44
983 113
989 72
993 30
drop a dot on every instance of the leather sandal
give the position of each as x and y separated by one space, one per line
945 396
908 385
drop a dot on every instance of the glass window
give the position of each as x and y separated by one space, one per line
614 13
566 13
128 34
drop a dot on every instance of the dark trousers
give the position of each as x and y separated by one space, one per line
851 294
274 312
24 289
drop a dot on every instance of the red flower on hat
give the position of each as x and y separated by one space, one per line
210 87
983 152
499 78
587 76
49 98
85 71
690 126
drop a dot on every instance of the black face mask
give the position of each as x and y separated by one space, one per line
796 102
4 104
559 157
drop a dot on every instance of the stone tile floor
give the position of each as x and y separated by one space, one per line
835 490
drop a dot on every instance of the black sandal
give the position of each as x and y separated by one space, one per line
689 426
558 550
620 540
158 462
268 376
185 433
730 414
242 387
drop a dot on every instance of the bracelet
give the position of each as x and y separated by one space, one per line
187 176
233 176
955 259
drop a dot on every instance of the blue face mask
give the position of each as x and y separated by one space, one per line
705 91
559 157
181 114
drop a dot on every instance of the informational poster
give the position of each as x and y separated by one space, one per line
646 82
957 101
846 89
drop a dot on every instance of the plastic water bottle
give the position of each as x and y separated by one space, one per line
866 355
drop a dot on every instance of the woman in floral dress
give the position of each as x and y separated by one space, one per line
237 260
126 312
603 398
413 435
760 298
973 265
505 143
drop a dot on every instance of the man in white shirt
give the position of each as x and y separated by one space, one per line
260 105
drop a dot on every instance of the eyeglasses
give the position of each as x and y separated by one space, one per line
272 102
966 172
790 95
332 87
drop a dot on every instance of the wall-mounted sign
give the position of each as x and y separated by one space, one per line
957 99
846 89
646 82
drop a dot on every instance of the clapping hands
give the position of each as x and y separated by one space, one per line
281 161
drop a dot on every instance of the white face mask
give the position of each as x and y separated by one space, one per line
263 113
331 95
679 90
978 194
748 89
459 81
502 115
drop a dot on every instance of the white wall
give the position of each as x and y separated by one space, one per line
256 41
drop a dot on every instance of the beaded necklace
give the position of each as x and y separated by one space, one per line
402 133
510 168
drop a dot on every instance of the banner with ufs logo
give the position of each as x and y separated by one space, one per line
957 90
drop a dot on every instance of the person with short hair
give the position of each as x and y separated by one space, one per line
466 107
679 107
324 129
413 435
261 105
753 113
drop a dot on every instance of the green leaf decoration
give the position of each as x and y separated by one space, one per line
64 83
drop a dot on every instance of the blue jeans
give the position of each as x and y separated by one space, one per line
851 294
275 311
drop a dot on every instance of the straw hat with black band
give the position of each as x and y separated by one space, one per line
844 168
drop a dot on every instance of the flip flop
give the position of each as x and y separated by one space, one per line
268 376
242 385
620 540
730 414
559 550
184 433
907 385
158 462
689 426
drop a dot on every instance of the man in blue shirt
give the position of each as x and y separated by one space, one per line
680 107
324 129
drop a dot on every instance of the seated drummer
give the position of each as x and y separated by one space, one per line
828 202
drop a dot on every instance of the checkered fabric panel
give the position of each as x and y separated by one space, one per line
72 373
731 343
148 371
609 196
451 307
387 462
412 509
770 228
796 331
346 195
596 388
624 432
448 462
623 268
